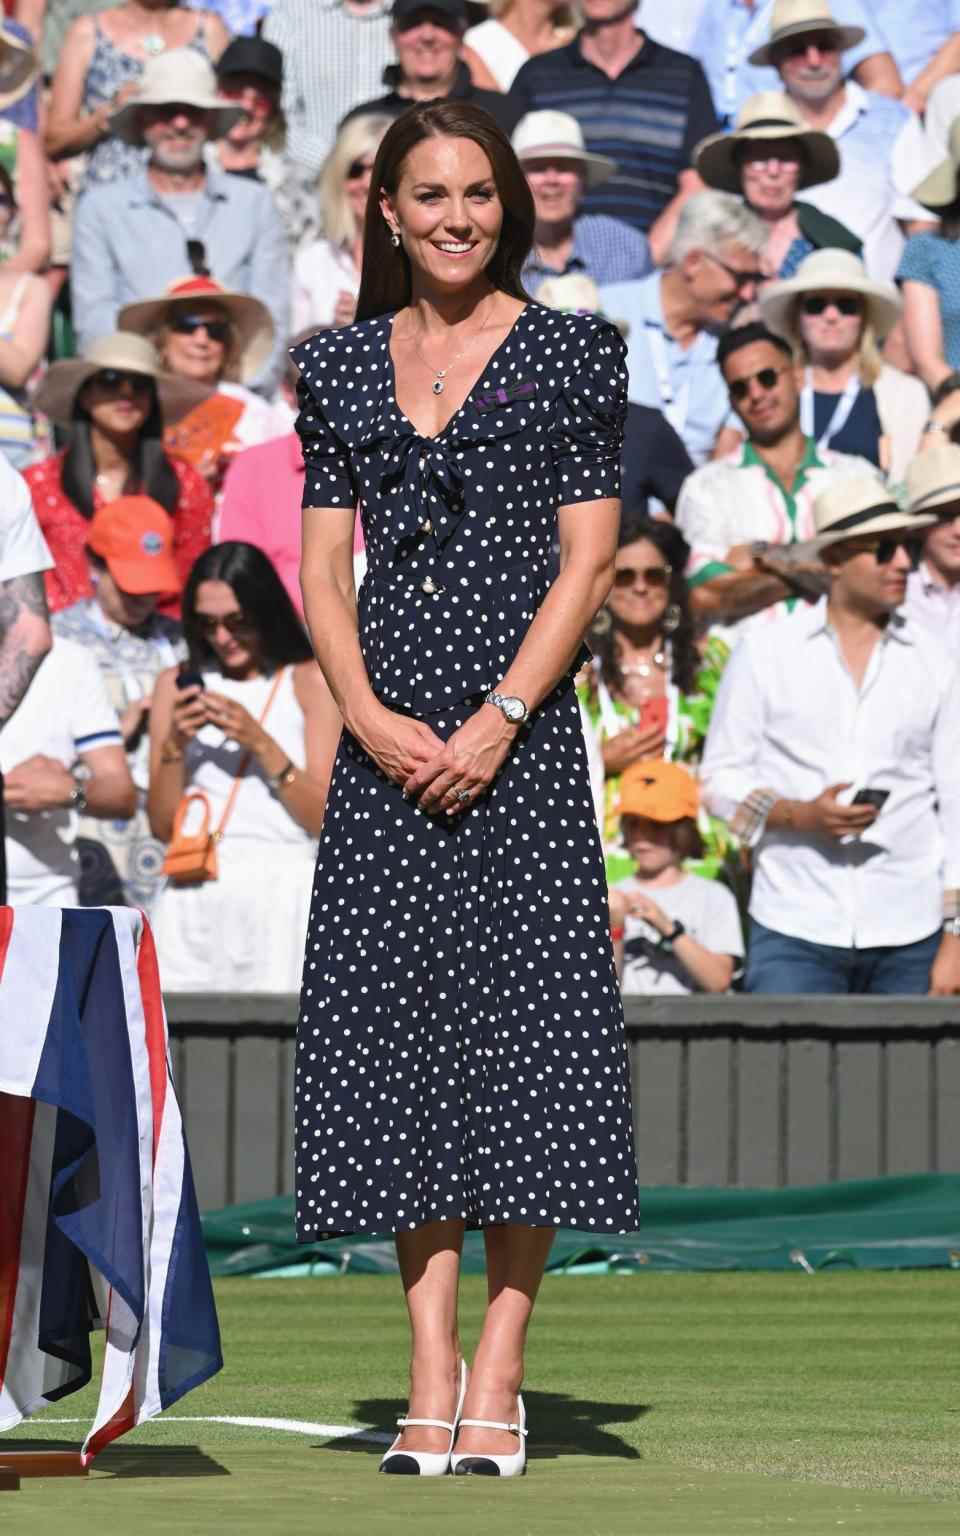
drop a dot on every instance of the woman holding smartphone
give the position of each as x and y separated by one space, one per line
649 691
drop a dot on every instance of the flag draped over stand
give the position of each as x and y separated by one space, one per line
99 1225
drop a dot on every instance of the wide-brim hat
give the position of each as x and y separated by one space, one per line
851 506
251 318
770 115
574 293
18 67
829 271
178 75
659 790
939 188
558 135
791 18
127 353
933 478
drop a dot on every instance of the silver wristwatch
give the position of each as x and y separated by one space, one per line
511 709
951 925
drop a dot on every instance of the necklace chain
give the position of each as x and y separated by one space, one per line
440 374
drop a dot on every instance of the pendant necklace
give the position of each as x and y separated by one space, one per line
153 44
643 669
440 374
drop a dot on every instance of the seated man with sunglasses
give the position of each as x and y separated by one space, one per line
832 752
740 514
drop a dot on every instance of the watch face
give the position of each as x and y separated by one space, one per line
514 709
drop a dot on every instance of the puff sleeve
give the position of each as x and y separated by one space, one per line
586 434
329 480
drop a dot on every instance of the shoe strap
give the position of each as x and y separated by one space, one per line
427 1424
515 1429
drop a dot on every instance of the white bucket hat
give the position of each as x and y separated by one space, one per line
770 115
575 293
791 18
830 271
939 189
251 319
557 135
127 354
933 478
852 506
179 75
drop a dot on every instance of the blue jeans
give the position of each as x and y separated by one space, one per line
780 964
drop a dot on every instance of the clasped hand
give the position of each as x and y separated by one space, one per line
432 771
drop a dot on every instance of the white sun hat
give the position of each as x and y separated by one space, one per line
178 75
557 135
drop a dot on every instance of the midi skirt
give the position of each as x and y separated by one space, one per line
461 1052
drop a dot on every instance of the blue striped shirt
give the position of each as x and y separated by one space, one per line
648 119
605 249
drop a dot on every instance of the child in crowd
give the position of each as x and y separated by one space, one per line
672 932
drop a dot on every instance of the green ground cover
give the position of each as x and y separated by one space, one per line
673 1405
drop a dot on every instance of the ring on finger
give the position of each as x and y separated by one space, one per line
462 795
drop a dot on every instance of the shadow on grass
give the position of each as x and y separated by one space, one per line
137 1460
560 1425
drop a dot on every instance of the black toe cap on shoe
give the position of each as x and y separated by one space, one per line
477 1466
405 1465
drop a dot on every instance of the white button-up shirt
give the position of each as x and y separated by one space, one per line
789 719
935 607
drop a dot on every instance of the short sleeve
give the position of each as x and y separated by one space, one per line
917 264
328 480
93 719
23 549
701 113
586 436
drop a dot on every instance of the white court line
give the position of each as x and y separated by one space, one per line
290 1426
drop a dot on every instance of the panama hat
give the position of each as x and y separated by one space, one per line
557 135
833 271
939 189
857 504
791 18
128 354
18 67
574 293
933 479
178 75
770 115
251 318
659 790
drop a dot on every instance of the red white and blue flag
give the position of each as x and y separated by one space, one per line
99 1225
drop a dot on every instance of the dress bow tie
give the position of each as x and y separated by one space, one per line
426 485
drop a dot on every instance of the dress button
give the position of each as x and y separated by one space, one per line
428 585
426 526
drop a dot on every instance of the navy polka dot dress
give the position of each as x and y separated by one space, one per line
460 1053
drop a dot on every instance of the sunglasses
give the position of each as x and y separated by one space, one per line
766 378
188 325
116 378
817 304
234 623
885 547
259 100
358 168
824 42
651 575
741 279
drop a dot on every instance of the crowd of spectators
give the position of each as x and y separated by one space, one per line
763 195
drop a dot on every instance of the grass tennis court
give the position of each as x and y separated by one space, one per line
707 1405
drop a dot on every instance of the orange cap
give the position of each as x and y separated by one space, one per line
659 790
135 536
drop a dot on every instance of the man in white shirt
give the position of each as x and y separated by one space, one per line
833 753
713 268
740 514
872 131
933 589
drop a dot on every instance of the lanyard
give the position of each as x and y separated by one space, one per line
738 48
841 411
675 404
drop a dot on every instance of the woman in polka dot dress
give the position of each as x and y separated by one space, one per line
461 1058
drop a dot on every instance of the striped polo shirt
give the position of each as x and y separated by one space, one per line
648 119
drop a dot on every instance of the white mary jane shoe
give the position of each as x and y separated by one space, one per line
471 1463
426 1463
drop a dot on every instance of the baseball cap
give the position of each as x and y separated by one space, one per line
659 790
134 535
251 56
455 9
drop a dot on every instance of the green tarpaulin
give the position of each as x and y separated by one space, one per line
892 1223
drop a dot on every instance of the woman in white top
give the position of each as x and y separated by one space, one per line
514 31
253 711
326 273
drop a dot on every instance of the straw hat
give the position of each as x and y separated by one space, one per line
939 189
18 67
933 479
251 318
791 18
770 115
178 75
574 293
831 271
659 790
557 135
852 506
128 354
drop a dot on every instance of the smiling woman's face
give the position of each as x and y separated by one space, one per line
447 210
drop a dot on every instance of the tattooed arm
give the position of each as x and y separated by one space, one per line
24 637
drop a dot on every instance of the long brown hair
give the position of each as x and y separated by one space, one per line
385 280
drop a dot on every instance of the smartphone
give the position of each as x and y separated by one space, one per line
875 797
187 679
653 713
